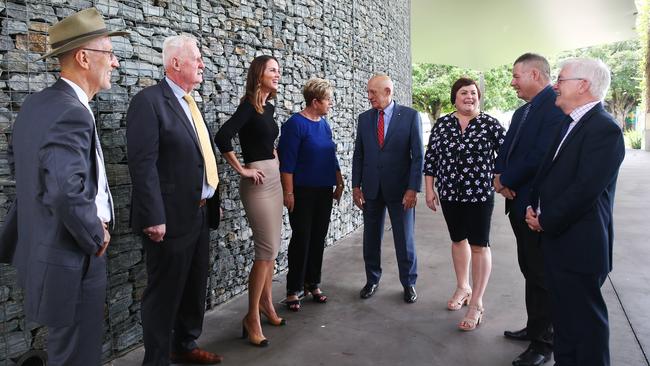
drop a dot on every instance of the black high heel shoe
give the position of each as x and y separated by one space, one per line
281 322
245 333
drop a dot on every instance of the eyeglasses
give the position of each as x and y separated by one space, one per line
111 53
559 79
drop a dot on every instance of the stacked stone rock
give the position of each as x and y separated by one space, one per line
341 40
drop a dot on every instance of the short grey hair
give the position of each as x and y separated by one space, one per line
537 61
173 44
593 70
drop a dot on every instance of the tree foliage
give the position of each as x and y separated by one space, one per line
432 83
623 59
432 87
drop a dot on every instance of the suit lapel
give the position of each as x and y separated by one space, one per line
394 119
175 106
374 117
576 129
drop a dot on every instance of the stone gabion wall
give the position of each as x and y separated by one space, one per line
341 40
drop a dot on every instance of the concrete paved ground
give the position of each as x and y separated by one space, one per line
385 331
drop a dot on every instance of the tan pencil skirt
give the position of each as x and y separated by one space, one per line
263 206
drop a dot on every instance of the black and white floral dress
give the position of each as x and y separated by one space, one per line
462 162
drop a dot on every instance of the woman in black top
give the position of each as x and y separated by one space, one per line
459 160
259 187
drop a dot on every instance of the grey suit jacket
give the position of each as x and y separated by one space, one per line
398 165
53 226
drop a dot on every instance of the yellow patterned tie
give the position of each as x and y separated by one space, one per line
210 162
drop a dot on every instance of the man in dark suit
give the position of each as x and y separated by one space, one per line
175 202
572 202
526 143
387 173
56 232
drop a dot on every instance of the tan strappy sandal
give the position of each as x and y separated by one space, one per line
460 297
472 319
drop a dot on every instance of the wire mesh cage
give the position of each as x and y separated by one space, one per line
335 39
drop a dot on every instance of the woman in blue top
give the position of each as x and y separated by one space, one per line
309 168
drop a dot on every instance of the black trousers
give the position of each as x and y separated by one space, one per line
531 264
580 318
174 301
309 221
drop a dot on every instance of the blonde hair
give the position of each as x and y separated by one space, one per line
316 88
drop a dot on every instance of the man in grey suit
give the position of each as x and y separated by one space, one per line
56 232
387 173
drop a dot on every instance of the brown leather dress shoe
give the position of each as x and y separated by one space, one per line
196 356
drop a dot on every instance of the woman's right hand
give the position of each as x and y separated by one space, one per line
255 174
432 199
289 201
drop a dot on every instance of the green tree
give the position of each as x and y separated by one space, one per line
623 59
499 95
432 85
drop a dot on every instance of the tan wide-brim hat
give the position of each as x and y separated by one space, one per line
77 29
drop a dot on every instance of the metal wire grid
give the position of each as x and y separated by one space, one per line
227 47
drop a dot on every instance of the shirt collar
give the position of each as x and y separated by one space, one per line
81 94
537 99
177 90
389 108
580 111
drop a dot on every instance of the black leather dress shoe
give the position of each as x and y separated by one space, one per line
410 296
531 357
368 290
518 335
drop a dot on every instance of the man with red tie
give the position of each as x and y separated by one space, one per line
387 174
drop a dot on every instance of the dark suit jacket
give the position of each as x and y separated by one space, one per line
535 137
165 163
576 194
53 226
398 165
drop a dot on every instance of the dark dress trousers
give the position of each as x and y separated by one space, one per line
575 191
52 232
384 175
167 170
528 139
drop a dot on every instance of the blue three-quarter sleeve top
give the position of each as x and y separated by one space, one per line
307 151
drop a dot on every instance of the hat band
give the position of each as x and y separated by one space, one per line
68 40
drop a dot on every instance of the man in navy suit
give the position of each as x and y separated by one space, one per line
526 143
175 202
56 232
387 173
571 205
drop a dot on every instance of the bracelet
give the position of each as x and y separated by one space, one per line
289 193
339 186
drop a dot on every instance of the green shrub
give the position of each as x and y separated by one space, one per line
633 138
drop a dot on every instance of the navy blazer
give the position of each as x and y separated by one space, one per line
398 165
575 192
165 163
535 137
53 226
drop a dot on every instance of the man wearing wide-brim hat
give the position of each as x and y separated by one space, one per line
56 231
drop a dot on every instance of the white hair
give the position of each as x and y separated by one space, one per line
592 70
172 45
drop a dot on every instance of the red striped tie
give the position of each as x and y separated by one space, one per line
380 129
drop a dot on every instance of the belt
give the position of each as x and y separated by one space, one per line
202 202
